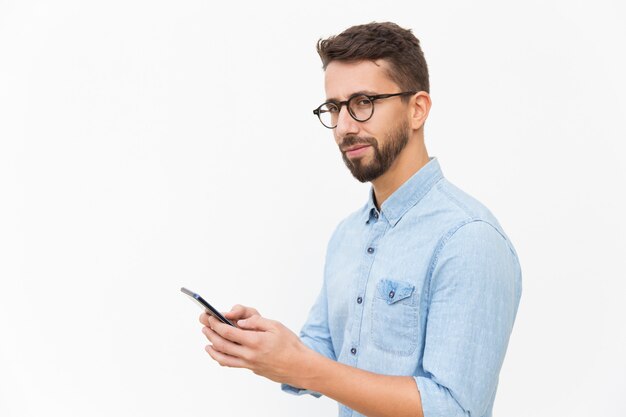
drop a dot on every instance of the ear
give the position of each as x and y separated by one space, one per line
420 107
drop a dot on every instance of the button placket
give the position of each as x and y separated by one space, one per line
376 231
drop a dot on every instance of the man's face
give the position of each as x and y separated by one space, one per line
368 148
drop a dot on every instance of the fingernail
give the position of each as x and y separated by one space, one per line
241 323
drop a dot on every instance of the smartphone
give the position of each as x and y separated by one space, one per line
206 306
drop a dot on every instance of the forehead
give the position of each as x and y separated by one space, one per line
342 79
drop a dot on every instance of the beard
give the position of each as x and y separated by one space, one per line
383 157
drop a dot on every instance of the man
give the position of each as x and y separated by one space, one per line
421 285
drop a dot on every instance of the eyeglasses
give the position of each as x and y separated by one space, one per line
360 107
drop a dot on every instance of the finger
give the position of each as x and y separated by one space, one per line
237 309
204 319
240 312
234 314
223 345
232 333
224 360
256 322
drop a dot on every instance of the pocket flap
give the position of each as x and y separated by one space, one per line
394 291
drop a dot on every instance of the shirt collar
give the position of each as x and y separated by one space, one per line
407 195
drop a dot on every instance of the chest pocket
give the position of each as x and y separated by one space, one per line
395 317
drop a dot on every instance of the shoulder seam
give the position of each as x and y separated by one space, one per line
452 231
444 240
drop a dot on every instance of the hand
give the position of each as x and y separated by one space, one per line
239 312
266 347
236 313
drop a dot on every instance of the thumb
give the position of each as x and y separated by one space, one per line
255 322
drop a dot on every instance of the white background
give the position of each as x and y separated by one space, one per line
149 145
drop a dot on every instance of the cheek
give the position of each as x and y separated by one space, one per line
336 137
370 130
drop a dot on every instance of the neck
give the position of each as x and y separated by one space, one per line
412 158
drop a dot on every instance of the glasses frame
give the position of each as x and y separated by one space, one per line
347 102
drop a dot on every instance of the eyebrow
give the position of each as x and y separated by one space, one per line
358 93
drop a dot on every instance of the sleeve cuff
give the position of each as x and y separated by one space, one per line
436 400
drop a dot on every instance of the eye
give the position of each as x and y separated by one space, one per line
329 108
362 101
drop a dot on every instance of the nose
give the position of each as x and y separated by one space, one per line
346 125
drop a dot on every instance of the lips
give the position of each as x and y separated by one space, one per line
355 147
357 150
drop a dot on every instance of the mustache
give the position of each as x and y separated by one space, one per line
352 140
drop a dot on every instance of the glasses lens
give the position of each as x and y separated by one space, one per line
361 107
328 113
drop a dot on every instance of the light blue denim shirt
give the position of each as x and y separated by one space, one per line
429 287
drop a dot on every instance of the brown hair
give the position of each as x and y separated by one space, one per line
388 41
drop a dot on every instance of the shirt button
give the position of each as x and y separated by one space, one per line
370 250
353 351
391 294
359 300
375 215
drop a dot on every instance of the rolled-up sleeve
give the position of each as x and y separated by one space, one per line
474 294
